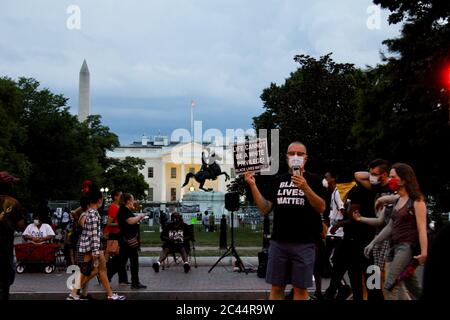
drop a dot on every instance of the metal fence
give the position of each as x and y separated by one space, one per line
247 219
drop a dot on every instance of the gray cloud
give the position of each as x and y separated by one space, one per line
148 59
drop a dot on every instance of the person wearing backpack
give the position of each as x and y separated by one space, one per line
407 230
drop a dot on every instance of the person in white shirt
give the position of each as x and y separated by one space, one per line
38 232
336 208
334 235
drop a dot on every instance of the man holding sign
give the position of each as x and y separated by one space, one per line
297 202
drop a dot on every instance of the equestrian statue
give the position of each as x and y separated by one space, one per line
209 170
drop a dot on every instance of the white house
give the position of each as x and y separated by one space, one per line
167 163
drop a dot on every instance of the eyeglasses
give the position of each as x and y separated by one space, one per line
293 153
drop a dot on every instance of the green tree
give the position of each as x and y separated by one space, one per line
124 175
13 135
403 113
46 146
315 105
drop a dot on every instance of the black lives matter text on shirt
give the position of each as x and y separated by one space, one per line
176 233
294 219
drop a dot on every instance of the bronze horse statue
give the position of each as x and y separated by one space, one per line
210 170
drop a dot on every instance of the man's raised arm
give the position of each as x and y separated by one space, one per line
264 205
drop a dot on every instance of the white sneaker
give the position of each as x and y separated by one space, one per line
115 296
71 297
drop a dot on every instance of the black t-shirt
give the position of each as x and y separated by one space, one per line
294 219
126 229
381 191
366 200
175 233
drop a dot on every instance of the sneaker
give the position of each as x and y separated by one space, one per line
138 286
344 293
126 283
329 295
186 267
73 297
156 267
115 296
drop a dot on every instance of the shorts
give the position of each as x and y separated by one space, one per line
291 263
173 247
379 252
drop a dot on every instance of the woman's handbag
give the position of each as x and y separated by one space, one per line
112 247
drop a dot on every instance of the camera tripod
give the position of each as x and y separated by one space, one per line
231 250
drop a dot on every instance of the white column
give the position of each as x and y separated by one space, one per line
163 182
182 176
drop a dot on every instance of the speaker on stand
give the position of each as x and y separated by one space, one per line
232 205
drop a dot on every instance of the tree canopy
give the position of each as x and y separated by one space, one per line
51 151
397 110
315 105
124 175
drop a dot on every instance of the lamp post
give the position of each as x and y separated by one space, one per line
104 192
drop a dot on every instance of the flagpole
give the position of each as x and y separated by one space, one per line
192 121
192 131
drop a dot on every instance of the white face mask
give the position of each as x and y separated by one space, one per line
373 180
296 162
36 222
325 183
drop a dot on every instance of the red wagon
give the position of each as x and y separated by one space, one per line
36 254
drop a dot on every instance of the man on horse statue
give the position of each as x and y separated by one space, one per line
210 170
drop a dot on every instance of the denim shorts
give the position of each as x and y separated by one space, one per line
291 263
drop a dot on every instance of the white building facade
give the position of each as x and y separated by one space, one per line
167 163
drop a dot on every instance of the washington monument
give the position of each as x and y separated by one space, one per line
84 103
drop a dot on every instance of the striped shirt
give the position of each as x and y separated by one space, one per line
90 237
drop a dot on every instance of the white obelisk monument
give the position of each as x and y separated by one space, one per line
84 102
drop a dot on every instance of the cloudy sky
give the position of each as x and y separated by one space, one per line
149 59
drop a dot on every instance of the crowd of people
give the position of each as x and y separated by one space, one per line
99 252
380 225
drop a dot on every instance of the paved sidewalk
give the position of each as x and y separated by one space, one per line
171 283
203 248
168 284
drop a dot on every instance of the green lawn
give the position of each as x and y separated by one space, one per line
244 236
208 253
